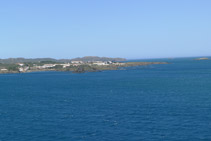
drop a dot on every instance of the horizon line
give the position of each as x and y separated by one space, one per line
146 58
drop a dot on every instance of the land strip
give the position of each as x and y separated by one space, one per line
73 66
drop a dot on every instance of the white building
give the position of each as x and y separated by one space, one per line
49 65
100 63
65 65
4 69
23 69
21 64
77 62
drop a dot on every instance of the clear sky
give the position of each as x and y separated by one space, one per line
113 28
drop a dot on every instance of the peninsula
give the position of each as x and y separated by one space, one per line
77 65
203 58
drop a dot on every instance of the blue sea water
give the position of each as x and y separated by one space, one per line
153 103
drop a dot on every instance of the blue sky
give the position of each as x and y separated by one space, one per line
113 28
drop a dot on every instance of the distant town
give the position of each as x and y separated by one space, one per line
85 64
24 67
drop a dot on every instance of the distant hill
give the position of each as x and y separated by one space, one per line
96 58
24 60
37 60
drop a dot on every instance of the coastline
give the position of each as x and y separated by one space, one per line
88 68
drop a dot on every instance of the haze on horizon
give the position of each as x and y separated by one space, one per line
112 28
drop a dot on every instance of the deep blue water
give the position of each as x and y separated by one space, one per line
155 103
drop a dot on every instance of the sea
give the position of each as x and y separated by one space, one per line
166 102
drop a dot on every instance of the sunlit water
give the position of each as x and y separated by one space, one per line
155 103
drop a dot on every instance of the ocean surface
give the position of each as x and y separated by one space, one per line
169 102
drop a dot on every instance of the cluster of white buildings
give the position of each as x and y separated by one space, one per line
78 63
105 63
24 68
45 66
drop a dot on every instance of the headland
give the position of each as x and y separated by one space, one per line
77 65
